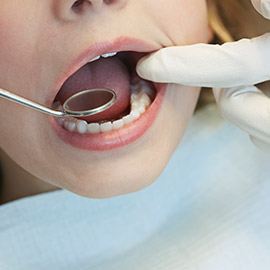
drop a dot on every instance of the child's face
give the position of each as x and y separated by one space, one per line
40 39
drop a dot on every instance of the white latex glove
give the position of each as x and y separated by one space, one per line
230 69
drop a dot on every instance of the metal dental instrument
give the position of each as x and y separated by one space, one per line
84 103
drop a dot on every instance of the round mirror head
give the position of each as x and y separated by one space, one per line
89 102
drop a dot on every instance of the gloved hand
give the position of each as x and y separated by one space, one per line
234 66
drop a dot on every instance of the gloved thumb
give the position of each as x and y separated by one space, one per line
187 65
161 66
263 7
245 62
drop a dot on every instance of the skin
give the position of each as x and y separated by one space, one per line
32 37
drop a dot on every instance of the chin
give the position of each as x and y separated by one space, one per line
116 182
122 173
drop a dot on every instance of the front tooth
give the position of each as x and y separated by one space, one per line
105 55
70 125
131 117
105 127
127 119
82 126
118 124
96 58
60 120
94 128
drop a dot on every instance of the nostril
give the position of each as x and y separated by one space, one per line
79 4
107 2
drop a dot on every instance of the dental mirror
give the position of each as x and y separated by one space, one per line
84 103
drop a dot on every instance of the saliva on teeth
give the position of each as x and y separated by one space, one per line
139 101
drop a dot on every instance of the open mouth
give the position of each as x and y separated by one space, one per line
133 113
115 71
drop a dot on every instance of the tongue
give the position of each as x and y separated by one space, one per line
104 73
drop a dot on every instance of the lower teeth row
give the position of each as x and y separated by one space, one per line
139 101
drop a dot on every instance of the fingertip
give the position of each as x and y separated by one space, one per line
266 9
148 67
141 68
263 7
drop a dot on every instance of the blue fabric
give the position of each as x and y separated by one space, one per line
210 209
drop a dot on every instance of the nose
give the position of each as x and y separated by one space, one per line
66 9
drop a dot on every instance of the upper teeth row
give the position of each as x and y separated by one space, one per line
105 55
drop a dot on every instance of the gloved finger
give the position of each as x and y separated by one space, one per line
245 62
264 146
248 108
263 7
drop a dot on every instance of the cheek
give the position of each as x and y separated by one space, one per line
183 101
188 23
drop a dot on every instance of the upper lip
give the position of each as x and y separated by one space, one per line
121 43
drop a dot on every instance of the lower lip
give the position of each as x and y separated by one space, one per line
118 138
